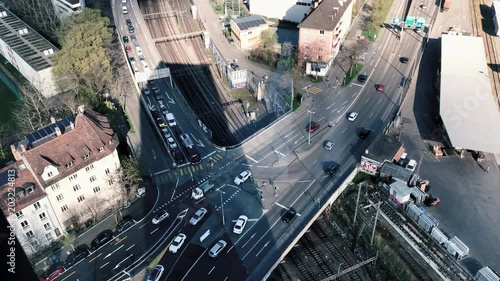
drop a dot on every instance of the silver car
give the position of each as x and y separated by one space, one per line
198 216
217 248
329 145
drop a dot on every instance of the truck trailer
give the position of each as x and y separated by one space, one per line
201 190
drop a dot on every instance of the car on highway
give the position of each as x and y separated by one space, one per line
142 59
124 9
128 49
52 272
177 243
364 133
352 116
411 165
166 133
80 252
240 224
171 119
145 90
242 177
125 39
362 77
132 60
137 45
140 191
198 216
290 213
160 216
154 87
158 96
125 223
404 59
131 29
329 145
101 239
312 127
136 69
423 6
133 37
217 248
380 88
332 169
156 273
128 21
163 109
171 143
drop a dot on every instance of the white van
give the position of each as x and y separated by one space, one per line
125 11
171 119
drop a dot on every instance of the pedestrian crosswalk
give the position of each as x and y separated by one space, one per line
314 90
189 169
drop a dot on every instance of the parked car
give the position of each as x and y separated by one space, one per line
242 177
329 145
217 248
128 49
156 273
312 127
177 243
160 216
132 60
128 21
125 39
163 109
158 96
352 116
145 90
412 164
141 191
80 252
332 169
198 216
125 223
240 224
52 272
230 40
133 37
289 215
235 66
101 239
171 143
171 119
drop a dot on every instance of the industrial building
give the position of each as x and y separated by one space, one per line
29 52
467 106
290 10
383 149
65 8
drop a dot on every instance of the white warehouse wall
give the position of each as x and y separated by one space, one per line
291 10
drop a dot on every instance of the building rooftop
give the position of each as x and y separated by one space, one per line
326 16
384 147
26 42
467 107
395 172
249 22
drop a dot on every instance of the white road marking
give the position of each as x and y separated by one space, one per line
315 161
379 101
344 102
288 135
153 231
247 156
130 247
211 270
264 235
281 206
230 249
356 84
191 268
104 265
321 118
154 154
303 192
161 172
262 166
344 130
265 245
331 105
253 235
341 109
173 193
371 115
304 181
335 109
113 252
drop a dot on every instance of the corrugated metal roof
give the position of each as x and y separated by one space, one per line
467 107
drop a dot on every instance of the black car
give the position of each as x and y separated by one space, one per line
332 169
289 215
128 21
312 127
364 133
404 59
125 38
158 96
78 254
101 239
125 223
235 66
362 78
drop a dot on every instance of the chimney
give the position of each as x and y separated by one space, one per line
71 125
52 119
81 109
58 131
341 2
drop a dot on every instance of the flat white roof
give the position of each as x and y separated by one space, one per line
467 107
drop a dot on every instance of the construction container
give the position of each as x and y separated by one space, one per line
457 248
437 234
417 195
486 274
414 211
399 192
384 187
427 222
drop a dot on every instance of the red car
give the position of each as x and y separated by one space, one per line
380 88
129 49
52 272
312 127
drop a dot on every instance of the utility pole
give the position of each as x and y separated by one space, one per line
357 202
310 125
375 223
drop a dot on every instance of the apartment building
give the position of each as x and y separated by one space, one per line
290 10
76 162
321 34
27 208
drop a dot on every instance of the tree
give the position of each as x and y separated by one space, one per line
132 171
285 63
31 113
268 38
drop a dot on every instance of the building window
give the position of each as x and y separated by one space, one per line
19 214
76 187
50 174
37 205
49 236
30 189
97 189
42 216
58 232
55 186
110 182
24 224
320 49
93 179
64 208
20 194
101 149
47 226
320 58
80 198
106 171
30 234
69 165
321 32
89 167
86 156
60 198
307 48
72 177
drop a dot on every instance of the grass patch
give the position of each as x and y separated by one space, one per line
218 8
297 100
353 72
243 96
132 130
156 260
377 17
371 32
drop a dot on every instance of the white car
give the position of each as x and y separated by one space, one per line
352 116
241 178
329 145
412 164
172 143
156 273
240 224
198 216
160 216
141 191
177 243
171 119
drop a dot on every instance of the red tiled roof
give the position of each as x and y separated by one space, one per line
92 131
22 179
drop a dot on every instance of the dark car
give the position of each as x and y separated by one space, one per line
77 255
404 59
125 223
101 239
364 133
235 66
52 272
312 127
362 77
158 96
125 38
133 37
332 169
289 215
128 21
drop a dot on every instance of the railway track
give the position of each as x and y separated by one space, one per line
193 72
491 54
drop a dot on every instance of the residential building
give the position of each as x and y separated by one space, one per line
290 10
322 33
246 31
27 208
383 149
75 160
65 8
29 52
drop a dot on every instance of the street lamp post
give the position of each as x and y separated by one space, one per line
338 269
222 207
309 127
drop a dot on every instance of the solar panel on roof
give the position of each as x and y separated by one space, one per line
42 133
49 130
30 138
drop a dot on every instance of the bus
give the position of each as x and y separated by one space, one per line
192 153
